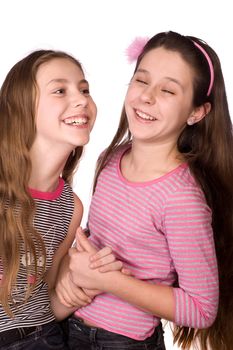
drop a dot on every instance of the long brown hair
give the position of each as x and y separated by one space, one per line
17 134
208 148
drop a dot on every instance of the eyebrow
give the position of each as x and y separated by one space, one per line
140 70
61 80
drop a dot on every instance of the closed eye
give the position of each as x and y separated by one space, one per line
168 91
141 81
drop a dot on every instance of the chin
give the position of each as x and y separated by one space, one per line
83 142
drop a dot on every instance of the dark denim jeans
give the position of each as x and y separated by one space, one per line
82 337
48 336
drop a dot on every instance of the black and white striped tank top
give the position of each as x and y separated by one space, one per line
54 211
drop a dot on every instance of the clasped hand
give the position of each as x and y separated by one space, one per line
81 277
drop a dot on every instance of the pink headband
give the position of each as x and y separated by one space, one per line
211 68
137 46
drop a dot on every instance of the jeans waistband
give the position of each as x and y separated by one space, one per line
104 334
16 334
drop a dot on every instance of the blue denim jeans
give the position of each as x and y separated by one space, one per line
83 337
47 336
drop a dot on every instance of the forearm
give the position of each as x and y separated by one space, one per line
172 304
153 298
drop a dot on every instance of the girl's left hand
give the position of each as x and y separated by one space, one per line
81 273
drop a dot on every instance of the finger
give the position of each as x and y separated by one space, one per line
79 247
101 253
77 244
75 297
92 292
79 293
77 303
109 259
126 272
72 251
84 242
64 298
115 266
64 302
81 297
65 293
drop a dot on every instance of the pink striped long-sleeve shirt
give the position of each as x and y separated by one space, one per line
162 231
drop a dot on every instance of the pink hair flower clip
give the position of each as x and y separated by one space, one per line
135 48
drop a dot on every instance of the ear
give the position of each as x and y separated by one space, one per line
199 113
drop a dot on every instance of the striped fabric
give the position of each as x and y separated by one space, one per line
162 232
52 219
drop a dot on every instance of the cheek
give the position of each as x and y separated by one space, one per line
130 96
127 109
93 115
94 111
43 109
185 112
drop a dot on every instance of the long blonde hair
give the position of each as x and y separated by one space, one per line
17 134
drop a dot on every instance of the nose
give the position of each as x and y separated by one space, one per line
148 95
79 99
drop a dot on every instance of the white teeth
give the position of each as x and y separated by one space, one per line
76 121
145 116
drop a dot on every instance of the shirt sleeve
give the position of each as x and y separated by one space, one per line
187 225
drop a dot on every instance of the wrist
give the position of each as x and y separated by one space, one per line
110 281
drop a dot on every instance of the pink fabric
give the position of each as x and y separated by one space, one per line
48 195
135 48
158 229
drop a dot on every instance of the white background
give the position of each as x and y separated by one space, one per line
97 33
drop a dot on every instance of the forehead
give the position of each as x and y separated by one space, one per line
58 68
166 63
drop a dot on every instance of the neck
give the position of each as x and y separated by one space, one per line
47 167
159 156
145 162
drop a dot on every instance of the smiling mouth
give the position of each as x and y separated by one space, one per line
76 120
145 116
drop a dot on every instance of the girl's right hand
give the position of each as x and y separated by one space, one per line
68 293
